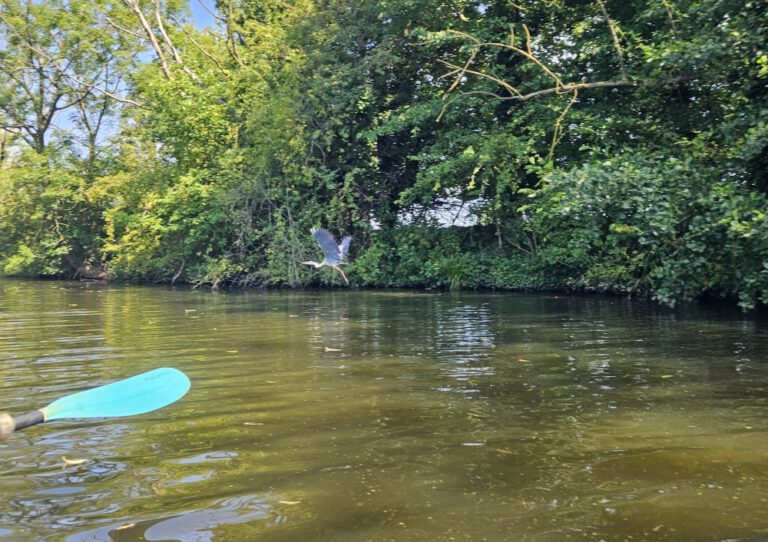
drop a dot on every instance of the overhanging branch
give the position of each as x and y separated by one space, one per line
570 87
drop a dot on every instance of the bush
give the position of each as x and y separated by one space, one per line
656 225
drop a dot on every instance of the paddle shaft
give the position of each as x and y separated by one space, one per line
9 424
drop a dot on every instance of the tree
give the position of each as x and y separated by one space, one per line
54 61
599 144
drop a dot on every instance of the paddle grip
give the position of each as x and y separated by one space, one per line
9 424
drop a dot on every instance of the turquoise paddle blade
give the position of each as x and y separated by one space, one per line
135 395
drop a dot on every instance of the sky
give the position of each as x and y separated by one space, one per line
201 17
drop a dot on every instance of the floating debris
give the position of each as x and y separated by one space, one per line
73 461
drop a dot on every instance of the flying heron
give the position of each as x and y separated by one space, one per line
334 253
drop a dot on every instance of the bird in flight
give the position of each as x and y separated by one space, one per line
334 253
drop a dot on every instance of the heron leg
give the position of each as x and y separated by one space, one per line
337 268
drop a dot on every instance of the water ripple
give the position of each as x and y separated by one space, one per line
195 525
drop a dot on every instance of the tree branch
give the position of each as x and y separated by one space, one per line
94 87
605 84
120 28
461 71
231 42
212 13
557 132
134 6
526 53
63 72
670 16
200 47
171 47
615 38
161 27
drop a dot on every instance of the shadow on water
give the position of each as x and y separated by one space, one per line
345 416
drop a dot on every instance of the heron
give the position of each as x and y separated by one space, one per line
334 253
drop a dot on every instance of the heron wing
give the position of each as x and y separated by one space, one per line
327 244
344 246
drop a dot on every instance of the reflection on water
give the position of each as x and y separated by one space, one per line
346 416
196 525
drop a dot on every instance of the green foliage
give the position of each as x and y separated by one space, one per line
177 221
607 145
653 224
45 221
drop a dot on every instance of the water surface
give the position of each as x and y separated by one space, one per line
376 416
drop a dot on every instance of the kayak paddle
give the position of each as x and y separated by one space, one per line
135 395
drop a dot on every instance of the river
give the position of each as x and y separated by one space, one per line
385 415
